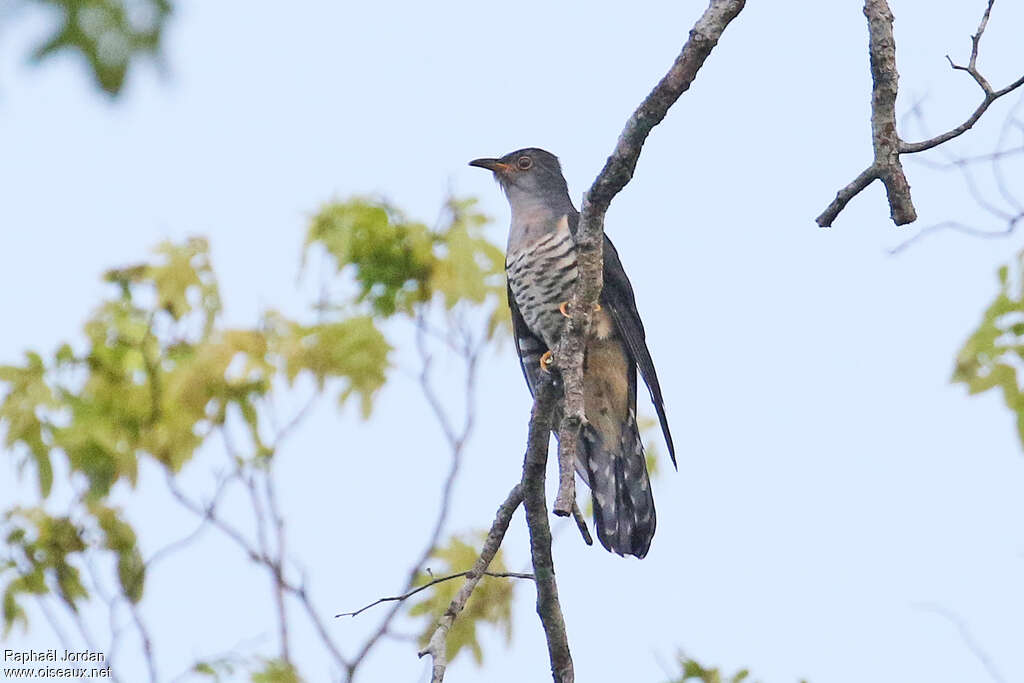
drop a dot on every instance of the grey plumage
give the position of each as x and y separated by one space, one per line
541 271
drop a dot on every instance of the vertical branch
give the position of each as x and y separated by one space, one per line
617 172
884 137
548 607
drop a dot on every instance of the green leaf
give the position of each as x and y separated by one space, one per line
109 34
692 670
353 351
12 611
27 400
119 537
276 671
988 358
390 258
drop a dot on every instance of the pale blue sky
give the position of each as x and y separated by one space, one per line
830 477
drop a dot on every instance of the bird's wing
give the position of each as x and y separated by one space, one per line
617 295
529 347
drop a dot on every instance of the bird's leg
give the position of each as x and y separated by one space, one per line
545 361
563 308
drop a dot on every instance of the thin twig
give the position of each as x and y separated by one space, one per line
971 69
1011 218
470 351
965 634
955 226
147 641
298 592
441 579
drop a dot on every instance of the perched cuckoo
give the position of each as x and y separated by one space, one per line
540 263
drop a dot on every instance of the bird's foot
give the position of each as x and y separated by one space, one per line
545 361
563 308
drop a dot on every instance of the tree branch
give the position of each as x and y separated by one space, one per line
617 172
885 139
548 608
438 644
1011 215
990 94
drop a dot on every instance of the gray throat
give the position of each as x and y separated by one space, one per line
533 217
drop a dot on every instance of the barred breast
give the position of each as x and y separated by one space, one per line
541 274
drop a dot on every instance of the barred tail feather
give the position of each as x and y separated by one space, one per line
623 503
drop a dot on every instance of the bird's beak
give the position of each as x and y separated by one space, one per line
495 165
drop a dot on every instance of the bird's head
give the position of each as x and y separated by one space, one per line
531 173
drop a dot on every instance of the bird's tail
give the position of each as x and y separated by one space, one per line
623 502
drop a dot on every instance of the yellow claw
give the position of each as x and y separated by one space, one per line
545 361
563 308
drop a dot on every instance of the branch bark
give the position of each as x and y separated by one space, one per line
884 135
617 172
548 607
438 644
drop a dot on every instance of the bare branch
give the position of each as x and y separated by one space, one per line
147 641
548 608
274 566
1011 217
955 226
885 139
843 197
617 172
990 97
437 646
456 439
441 579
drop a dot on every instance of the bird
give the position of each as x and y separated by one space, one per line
540 269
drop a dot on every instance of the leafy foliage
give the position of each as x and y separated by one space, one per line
155 374
397 263
40 548
692 670
490 603
276 671
991 355
109 34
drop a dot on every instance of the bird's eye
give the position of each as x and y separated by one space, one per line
524 163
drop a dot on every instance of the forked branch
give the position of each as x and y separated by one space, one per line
887 144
